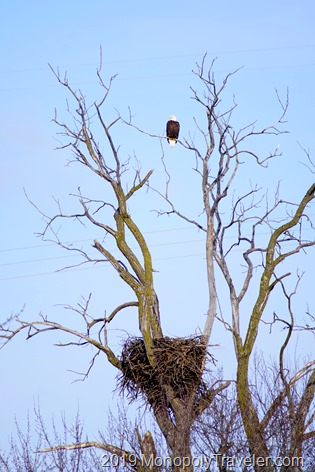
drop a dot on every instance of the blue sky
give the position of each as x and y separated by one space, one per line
153 49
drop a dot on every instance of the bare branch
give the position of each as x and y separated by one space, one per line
34 328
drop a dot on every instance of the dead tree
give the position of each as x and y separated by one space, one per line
218 165
168 372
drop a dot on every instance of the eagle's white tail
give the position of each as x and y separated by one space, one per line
172 142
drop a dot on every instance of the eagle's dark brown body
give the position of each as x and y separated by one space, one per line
172 131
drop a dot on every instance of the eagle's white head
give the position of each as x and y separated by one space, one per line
173 117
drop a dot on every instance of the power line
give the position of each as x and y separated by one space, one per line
73 269
161 76
155 231
157 58
89 239
55 272
30 261
44 259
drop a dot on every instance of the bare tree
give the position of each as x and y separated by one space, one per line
22 456
169 372
219 432
218 167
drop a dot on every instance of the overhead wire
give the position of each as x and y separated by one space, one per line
76 255
76 267
123 61
66 270
173 56
89 239
248 50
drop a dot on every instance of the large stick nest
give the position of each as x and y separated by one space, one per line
179 364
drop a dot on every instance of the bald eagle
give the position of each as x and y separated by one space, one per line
172 130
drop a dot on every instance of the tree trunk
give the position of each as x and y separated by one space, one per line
254 433
181 452
176 429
